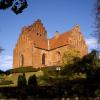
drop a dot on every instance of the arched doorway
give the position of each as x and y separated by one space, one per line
43 59
22 59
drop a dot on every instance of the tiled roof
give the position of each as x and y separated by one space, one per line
59 41
42 42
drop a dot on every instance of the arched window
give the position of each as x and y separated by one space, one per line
43 59
58 56
22 60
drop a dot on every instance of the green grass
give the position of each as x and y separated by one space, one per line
41 75
45 76
13 77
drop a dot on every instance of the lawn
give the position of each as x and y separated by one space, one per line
14 76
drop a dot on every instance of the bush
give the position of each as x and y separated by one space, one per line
6 82
49 68
97 92
1 72
32 80
21 70
32 85
22 81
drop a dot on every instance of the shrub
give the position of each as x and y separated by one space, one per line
97 92
21 70
6 82
32 85
32 80
1 72
22 81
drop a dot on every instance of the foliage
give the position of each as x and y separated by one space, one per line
97 92
50 70
32 85
32 80
70 56
22 81
85 65
21 70
17 5
1 72
6 82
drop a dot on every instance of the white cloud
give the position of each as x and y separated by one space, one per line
91 43
6 62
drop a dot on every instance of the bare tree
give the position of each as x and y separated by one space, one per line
97 22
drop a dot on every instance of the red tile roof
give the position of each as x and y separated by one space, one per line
59 41
41 42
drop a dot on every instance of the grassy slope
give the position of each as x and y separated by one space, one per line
14 77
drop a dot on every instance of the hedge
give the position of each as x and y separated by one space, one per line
21 70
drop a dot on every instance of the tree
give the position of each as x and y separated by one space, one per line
32 85
17 5
97 22
22 83
70 56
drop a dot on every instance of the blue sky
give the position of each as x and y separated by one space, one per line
56 15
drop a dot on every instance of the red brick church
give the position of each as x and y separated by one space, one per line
33 48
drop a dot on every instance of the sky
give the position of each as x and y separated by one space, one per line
56 15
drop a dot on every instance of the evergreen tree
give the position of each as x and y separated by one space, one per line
22 86
32 85
22 83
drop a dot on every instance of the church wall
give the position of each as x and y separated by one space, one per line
76 40
23 48
37 57
55 56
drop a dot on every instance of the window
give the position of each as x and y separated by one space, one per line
22 60
58 56
43 59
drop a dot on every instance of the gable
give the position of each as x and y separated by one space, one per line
36 35
24 41
37 30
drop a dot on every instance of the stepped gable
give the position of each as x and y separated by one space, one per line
38 34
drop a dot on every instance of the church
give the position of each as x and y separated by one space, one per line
33 48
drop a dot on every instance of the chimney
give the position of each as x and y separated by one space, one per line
57 34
